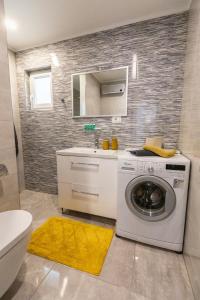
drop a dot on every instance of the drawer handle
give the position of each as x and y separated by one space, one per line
84 164
85 193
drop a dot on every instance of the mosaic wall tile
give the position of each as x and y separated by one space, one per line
154 98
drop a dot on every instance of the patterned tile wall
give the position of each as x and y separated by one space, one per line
154 98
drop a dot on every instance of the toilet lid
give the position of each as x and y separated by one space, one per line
14 225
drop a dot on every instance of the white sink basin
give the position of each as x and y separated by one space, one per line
91 152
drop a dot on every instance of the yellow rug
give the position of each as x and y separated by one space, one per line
78 245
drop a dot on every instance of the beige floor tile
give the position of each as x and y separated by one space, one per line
32 272
65 283
130 272
160 274
61 283
118 265
135 296
193 267
94 289
40 205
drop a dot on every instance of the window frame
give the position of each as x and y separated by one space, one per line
40 74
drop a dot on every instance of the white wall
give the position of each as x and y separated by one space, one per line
82 95
16 117
115 105
94 104
9 195
92 96
190 145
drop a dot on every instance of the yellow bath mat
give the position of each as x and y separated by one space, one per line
78 245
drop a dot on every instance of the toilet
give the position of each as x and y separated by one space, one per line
15 229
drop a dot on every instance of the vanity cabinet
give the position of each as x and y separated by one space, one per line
87 184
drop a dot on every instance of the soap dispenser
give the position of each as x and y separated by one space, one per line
114 142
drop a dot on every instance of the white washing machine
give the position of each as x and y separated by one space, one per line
152 200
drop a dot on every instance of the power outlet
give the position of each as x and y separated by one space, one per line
116 120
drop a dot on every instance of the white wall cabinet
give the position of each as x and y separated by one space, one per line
87 184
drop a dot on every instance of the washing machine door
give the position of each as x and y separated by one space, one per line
151 198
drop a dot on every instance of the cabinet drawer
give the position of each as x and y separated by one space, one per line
87 184
78 197
82 170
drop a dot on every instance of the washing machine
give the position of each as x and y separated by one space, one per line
152 200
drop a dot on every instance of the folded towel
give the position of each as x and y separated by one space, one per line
160 151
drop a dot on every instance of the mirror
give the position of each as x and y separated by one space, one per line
102 93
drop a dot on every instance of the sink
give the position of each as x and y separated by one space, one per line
91 152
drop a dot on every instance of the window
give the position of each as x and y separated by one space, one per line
40 89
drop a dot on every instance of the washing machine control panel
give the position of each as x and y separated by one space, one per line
152 168
128 165
141 167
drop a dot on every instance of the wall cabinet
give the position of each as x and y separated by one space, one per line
87 184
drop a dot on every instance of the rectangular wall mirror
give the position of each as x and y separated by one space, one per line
100 94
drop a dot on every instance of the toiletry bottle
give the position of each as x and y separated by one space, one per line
114 144
105 144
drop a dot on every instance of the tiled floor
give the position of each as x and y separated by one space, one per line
131 271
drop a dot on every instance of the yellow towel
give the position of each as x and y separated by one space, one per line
160 151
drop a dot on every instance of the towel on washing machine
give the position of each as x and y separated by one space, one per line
160 151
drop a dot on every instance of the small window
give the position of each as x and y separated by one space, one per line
41 90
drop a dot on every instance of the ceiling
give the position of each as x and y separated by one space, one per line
102 76
111 75
41 22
